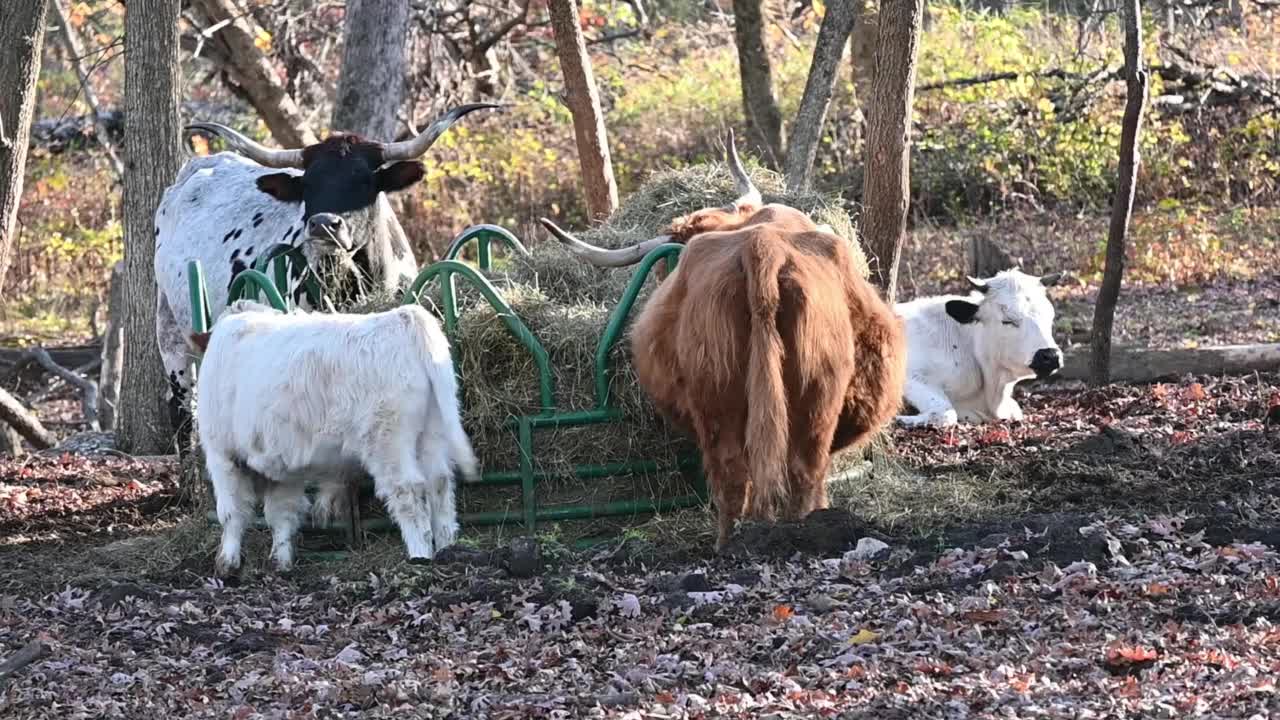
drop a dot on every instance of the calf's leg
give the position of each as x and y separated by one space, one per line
284 507
331 500
399 482
434 459
234 498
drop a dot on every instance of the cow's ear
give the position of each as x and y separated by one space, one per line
284 187
399 176
962 311
200 341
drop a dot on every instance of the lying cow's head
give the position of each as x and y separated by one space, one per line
746 208
1013 319
341 177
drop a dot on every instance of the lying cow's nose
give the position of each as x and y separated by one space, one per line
1046 361
324 225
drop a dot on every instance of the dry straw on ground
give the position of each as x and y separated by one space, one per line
567 304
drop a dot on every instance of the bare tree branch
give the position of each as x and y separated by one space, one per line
29 653
25 422
71 39
88 388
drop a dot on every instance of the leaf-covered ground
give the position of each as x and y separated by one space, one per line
1112 556
1167 625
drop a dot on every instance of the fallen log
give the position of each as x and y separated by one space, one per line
68 356
29 653
1143 365
25 422
88 388
56 384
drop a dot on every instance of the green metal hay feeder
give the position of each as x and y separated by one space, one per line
257 281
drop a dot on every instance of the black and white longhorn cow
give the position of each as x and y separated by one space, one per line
328 199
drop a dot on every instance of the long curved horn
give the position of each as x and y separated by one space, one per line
747 192
416 147
249 148
599 256
976 284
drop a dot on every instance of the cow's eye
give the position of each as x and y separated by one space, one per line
1013 323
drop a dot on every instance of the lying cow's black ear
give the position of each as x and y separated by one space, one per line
284 187
962 311
399 176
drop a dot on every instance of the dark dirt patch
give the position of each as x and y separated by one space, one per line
1192 445
824 532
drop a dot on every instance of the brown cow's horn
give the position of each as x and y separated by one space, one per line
747 192
599 256
415 148
249 148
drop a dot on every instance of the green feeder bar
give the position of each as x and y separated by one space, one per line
548 417
484 235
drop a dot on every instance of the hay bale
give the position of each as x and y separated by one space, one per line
566 304
648 212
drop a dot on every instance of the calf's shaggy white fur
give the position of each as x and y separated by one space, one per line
288 398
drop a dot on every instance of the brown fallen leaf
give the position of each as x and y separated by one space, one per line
979 617
1126 658
1194 392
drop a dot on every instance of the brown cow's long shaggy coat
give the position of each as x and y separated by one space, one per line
772 350
767 345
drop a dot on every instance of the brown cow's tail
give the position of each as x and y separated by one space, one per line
767 422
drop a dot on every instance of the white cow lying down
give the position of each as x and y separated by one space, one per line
286 398
964 355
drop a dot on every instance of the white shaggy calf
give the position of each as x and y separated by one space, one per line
965 354
287 398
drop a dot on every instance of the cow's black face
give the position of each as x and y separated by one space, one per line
341 180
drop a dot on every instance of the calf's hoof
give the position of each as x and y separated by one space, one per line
224 567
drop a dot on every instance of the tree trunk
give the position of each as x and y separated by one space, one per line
371 84
248 71
862 46
985 258
10 442
887 174
21 39
1104 310
12 413
588 119
806 131
153 153
759 107
75 53
112 349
